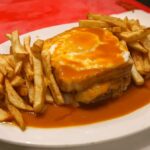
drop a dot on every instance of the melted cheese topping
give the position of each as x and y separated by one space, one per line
84 51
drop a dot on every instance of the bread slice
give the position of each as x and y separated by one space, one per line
100 91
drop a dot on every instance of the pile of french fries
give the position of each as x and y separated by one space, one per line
133 35
26 80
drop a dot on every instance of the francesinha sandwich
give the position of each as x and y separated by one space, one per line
89 64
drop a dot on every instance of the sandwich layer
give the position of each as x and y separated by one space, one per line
82 57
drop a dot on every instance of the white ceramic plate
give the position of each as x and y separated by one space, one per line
78 135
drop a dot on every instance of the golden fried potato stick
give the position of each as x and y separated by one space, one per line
15 113
14 98
146 43
146 63
39 87
27 41
17 81
17 48
115 29
93 24
138 79
4 115
18 67
9 59
57 96
113 21
49 98
132 36
126 21
46 82
134 25
37 46
30 87
137 46
28 70
28 63
138 61
10 72
5 68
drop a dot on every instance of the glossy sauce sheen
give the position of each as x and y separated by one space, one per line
60 116
84 51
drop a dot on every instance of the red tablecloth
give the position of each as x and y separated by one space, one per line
28 15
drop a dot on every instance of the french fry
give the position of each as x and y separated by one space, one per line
126 21
37 46
28 70
134 35
17 81
14 98
29 61
146 43
146 63
138 79
39 88
137 46
116 29
30 91
46 82
27 41
5 68
48 97
10 72
4 115
138 61
16 114
108 19
93 24
134 25
18 67
57 96
17 48
9 59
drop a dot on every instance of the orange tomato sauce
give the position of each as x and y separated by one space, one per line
62 116
81 48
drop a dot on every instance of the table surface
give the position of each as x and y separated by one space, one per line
28 15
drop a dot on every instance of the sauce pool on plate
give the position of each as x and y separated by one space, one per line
61 116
